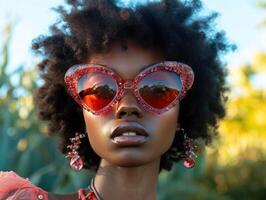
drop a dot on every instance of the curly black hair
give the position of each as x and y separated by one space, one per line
174 27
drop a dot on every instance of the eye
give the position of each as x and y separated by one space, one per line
99 91
96 90
97 97
158 90
103 91
155 90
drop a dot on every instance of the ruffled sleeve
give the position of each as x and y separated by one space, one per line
14 187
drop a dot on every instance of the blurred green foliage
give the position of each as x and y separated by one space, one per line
23 148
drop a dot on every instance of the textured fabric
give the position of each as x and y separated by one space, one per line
14 187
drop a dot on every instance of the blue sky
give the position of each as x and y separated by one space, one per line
239 18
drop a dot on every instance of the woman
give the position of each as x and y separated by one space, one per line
128 90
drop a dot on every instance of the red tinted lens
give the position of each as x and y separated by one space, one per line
159 89
96 90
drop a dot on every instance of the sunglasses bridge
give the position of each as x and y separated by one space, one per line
128 84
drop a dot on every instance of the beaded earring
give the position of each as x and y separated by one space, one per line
76 161
188 155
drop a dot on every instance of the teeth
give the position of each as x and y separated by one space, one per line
129 134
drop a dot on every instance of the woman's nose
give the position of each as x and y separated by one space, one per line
128 107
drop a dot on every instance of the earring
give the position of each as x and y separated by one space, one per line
188 156
76 161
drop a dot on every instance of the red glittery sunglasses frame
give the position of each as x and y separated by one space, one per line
74 73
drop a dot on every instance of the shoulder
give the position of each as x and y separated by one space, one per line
15 187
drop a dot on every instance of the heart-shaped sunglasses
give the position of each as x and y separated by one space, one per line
157 88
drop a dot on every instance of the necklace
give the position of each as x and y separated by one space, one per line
92 188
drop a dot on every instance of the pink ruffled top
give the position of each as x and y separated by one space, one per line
14 187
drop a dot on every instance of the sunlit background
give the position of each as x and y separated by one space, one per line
234 167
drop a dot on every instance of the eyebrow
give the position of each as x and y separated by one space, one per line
142 68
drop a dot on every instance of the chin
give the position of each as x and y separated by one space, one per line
131 160
129 164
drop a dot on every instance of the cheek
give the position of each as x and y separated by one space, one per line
164 128
96 135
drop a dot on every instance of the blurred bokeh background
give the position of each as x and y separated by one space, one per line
233 168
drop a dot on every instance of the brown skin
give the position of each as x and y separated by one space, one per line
129 171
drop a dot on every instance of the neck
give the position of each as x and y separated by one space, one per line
138 183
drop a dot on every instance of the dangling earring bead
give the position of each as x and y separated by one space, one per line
76 161
189 157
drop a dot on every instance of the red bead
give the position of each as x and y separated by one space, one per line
70 154
189 162
76 163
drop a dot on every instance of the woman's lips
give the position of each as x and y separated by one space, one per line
130 140
129 134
